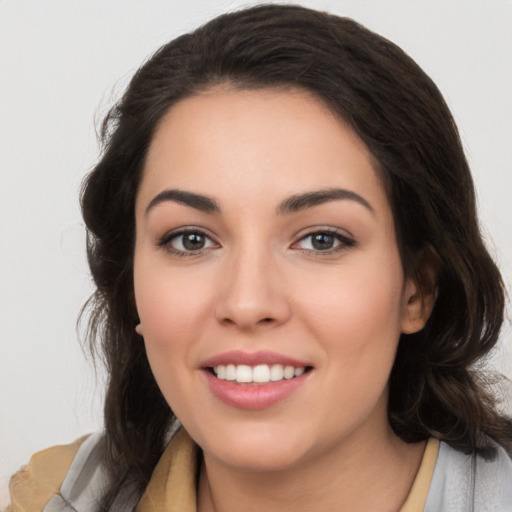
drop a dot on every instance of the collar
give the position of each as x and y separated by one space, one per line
173 485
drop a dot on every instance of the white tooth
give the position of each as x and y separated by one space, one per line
261 373
243 373
220 371
230 372
298 372
289 372
276 372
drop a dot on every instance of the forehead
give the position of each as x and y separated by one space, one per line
257 143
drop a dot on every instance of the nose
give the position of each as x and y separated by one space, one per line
252 294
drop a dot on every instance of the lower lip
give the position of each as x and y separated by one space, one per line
253 396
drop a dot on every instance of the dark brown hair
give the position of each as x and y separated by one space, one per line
402 118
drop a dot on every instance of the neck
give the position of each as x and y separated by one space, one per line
374 475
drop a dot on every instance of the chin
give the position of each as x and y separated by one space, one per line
257 460
255 450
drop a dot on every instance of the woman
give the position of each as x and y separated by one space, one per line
283 236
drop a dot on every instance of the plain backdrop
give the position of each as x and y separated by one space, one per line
63 63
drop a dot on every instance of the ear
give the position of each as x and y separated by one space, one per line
420 291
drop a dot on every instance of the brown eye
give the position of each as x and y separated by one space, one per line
193 241
324 241
186 242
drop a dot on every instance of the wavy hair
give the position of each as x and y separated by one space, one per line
404 121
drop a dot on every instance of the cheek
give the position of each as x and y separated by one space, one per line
168 299
357 314
166 310
356 319
172 309
171 315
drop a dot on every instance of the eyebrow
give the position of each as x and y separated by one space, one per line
198 201
299 202
292 204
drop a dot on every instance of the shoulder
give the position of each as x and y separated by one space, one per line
34 486
475 481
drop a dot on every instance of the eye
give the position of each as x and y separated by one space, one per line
324 241
186 242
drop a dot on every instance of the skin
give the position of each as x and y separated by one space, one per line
259 284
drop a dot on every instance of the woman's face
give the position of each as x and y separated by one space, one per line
266 253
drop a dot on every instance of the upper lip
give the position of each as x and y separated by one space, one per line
252 359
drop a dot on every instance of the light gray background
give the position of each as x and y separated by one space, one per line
62 63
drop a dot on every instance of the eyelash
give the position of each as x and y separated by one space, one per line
344 242
165 242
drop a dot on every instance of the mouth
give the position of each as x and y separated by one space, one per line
257 374
255 380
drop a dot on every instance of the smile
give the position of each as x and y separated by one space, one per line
259 374
255 380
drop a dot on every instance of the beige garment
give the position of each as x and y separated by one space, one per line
33 486
421 485
173 484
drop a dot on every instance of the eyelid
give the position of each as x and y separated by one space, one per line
164 241
346 240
